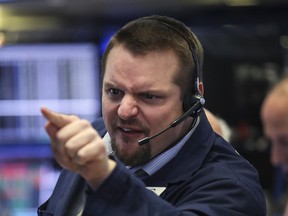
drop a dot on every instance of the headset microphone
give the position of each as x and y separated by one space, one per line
193 111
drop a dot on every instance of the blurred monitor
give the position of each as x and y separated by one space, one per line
63 77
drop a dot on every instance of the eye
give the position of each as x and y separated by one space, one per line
114 94
149 96
113 91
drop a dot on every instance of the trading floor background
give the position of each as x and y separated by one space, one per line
50 52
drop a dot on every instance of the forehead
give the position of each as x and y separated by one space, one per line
159 66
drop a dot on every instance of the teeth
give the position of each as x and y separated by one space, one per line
126 129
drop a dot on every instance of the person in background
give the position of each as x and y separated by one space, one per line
274 116
153 152
219 125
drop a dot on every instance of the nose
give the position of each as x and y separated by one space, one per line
128 107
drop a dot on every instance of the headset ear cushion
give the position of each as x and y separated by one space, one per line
190 101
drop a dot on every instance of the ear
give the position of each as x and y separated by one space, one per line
201 88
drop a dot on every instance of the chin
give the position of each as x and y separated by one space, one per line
123 148
132 155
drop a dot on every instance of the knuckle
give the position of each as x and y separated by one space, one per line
59 136
85 123
69 147
73 117
80 158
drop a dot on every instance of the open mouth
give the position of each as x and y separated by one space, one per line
131 133
129 130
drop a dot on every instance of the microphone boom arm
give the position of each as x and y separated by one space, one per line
193 111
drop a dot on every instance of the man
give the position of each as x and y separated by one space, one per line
274 116
158 155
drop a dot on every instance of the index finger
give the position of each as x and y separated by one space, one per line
58 119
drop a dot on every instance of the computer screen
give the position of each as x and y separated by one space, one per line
62 77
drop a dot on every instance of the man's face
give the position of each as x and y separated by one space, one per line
275 121
140 99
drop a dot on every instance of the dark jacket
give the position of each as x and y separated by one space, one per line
207 177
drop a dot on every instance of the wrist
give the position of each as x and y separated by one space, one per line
94 183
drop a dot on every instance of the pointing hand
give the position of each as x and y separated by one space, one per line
78 147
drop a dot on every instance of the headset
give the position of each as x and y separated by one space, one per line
193 103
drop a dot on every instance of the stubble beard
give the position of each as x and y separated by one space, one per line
138 158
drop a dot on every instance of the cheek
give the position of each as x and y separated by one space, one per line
162 118
109 110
